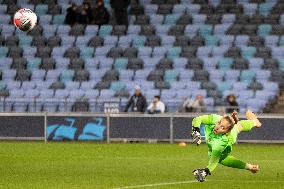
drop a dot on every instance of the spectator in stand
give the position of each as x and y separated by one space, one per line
86 15
72 15
232 104
196 105
120 11
101 15
137 102
157 106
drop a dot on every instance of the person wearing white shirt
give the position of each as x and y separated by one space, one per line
156 106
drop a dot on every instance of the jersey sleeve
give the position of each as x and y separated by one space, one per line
205 119
247 125
234 134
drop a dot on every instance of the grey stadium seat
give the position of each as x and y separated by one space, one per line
256 19
135 64
156 75
200 75
194 64
233 52
77 29
188 51
54 9
57 85
119 30
182 41
208 85
270 64
240 64
249 29
76 64
165 63
136 10
242 19
23 75
96 41
153 41
111 75
214 94
53 41
47 64
102 85
162 85
165 9
177 30
185 20
214 19
197 41
39 41
82 75
15 52
147 30
234 29
43 52
36 31
277 30
123 93
263 52
115 52
72 52
19 63
142 20
256 41
130 52
255 86
11 41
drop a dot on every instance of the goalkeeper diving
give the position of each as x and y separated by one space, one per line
221 133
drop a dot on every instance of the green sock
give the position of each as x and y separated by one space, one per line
233 162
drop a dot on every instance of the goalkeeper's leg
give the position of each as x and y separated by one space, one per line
233 162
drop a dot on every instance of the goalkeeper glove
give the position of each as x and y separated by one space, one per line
200 174
195 134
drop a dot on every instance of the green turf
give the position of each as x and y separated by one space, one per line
106 166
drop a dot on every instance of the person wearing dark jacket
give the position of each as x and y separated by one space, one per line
232 103
120 11
137 102
86 15
101 15
72 15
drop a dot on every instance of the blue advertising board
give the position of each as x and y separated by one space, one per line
64 128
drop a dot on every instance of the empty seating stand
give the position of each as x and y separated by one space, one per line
174 48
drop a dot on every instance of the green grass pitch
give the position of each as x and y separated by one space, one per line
38 165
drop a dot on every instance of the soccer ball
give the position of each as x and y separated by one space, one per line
25 19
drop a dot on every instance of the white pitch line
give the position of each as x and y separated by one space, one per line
188 182
156 184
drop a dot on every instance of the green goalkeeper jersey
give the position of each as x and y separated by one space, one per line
220 145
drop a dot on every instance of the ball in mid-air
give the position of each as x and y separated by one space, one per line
25 19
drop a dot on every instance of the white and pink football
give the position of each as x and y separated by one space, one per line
25 19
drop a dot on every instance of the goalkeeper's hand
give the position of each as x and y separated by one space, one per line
195 134
200 174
